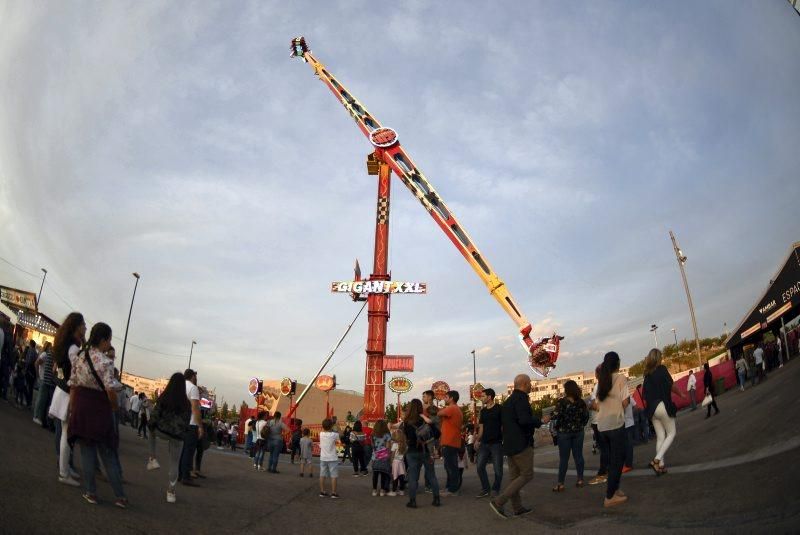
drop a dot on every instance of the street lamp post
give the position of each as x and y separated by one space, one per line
681 261
125 340
191 349
654 329
675 334
39 297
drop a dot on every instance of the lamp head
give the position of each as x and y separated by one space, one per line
135 274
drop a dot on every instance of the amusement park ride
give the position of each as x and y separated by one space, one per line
390 156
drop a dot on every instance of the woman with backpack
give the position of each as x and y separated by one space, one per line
419 430
357 440
93 393
381 457
170 421
569 421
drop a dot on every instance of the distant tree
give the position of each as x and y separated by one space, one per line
390 413
224 412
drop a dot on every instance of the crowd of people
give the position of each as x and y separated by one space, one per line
73 388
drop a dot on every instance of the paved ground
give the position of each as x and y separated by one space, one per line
734 473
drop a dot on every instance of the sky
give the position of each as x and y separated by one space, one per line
180 141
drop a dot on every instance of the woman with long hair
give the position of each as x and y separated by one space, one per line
417 428
569 420
346 442
612 398
93 393
708 383
381 457
357 440
68 341
658 390
170 422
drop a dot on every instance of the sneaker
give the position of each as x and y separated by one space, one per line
74 473
498 509
91 498
401 493
171 497
37 421
614 501
382 493
364 473
323 494
391 493
152 464
596 480
374 492
626 469
334 496
428 490
483 494
356 475
69 480
122 503
189 483
523 511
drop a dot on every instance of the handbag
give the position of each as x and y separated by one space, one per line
382 454
707 400
59 407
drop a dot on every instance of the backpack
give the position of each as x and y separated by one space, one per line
427 433
264 432
169 423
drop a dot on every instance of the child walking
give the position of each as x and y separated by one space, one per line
398 463
328 458
305 445
381 457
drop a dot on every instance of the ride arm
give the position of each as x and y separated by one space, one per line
543 352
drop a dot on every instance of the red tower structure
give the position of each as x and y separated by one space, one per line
390 156
378 303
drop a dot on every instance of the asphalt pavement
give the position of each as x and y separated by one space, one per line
736 472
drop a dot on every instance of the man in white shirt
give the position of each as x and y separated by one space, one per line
195 432
691 387
135 405
758 357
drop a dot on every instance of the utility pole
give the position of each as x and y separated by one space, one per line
471 394
654 329
39 297
191 349
125 340
681 261
675 334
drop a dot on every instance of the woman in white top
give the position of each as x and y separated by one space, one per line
612 398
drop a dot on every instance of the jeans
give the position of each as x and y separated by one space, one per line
89 465
63 448
417 460
43 402
275 447
693 398
570 443
187 455
712 404
603 470
346 453
450 456
495 451
630 439
248 444
359 459
742 378
615 443
261 448
520 468
175 449
644 427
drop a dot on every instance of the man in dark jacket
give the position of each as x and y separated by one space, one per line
519 424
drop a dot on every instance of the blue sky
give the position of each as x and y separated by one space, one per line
177 139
